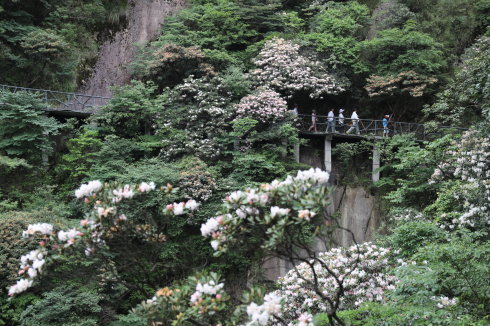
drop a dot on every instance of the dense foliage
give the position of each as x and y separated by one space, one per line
175 209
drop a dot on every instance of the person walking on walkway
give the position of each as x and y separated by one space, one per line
313 122
386 131
295 110
341 120
355 123
341 117
331 121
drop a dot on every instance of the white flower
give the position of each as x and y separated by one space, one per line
20 286
178 208
277 211
125 192
43 228
146 187
215 244
32 272
305 319
38 264
88 189
195 296
191 205
67 235
272 303
209 227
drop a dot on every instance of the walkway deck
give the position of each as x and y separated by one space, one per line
64 103
368 128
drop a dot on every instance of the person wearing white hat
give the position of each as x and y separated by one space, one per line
341 119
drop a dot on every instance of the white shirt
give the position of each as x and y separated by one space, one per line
330 116
354 116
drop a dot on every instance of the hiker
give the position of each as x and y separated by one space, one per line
313 121
330 121
355 123
295 110
341 120
386 131
341 117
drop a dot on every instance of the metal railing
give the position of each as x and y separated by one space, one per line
368 127
63 101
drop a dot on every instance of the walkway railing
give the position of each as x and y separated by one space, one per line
63 101
368 127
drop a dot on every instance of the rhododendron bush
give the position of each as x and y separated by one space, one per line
361 273
105 221
281 66
468 167
265 106
275 213
195 117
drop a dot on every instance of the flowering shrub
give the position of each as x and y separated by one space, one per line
281 66
265 106
260 315
469 162
271 209
200 300
195 117
405 82
196 181
363 273
101 224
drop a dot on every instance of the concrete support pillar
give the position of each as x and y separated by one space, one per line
328 153
376 162
296 153
284 147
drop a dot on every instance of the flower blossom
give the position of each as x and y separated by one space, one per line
42 228
146 187
88 189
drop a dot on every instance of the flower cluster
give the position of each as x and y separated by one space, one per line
196 117
265 106
444 302
363 273
275 206
89 189
197 182
469 162
100 224
41 228
305 319
201 299
210 288
281 66
261 315
405 82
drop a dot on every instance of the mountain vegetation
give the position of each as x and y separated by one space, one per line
161 207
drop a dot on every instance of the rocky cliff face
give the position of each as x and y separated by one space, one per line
144 21
359 212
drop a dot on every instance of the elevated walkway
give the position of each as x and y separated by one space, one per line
64 103
345 130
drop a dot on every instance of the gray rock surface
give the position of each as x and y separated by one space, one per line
359 212
144 21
